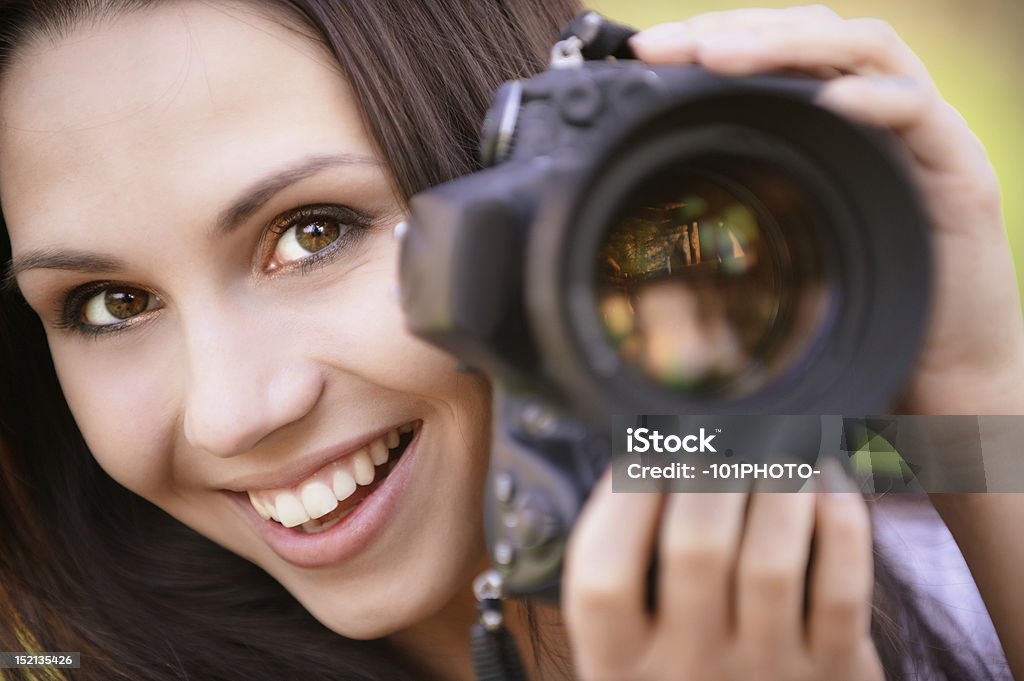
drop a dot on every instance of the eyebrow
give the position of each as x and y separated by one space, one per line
263 190
57 259
250 201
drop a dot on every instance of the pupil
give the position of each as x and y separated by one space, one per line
317 236
125 304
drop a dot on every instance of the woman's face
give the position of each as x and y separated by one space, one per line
204 226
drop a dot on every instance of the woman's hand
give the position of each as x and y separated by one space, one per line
973 358
731 587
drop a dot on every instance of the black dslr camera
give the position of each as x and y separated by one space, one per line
659 240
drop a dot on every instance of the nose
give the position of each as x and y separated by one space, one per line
245 382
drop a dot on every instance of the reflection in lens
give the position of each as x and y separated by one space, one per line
711 284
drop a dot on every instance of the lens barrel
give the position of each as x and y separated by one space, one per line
667 240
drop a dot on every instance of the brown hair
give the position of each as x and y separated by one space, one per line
87 565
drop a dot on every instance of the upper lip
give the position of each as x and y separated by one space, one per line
294 472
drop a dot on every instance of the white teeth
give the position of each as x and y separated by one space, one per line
379 450
318 499
323 491
290 509
258 505
362 467
344 484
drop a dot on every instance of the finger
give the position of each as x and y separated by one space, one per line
605 579
857 46
735 19
841 576
906 102
771 577
934 132
698 549
676 42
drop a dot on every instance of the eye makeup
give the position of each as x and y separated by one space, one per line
72 310
337 227
349 224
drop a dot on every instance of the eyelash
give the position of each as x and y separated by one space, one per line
355 221
354 226
70 312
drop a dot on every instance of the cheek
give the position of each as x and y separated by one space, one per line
123 405
391 357
363 330
365 335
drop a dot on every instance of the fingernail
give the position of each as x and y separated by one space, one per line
659 37
834 480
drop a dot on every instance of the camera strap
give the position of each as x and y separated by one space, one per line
495 657
597 38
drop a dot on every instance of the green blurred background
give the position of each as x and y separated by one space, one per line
975 52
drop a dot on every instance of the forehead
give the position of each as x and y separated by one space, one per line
174 104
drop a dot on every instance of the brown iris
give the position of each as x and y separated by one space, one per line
126 303
317 235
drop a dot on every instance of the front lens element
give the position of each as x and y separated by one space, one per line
711 281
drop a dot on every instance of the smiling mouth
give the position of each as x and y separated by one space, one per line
326 497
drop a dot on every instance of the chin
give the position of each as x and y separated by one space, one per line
380 615
400 599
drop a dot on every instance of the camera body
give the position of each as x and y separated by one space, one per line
605 180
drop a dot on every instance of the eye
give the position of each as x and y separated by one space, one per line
114 305
307 232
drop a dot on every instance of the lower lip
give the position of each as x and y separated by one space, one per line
353 533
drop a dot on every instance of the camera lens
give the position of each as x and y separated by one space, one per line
710 279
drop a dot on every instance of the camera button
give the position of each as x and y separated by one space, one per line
581 102
504 487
